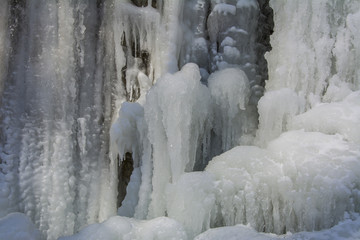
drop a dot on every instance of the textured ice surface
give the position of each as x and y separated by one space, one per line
328 43
73 64
276 109
177 113
125 132
183 203
230 92
302 181
330 118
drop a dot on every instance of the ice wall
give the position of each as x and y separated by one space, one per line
283 185
318 61
328 40
87 86
55 114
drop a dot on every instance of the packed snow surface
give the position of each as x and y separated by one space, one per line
123 228
18 226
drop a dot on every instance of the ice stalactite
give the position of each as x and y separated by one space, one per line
282 186
208 38
177 102
229 34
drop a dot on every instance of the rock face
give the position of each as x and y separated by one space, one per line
264 30
144 3
126 168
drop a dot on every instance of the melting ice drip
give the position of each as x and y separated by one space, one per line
71 76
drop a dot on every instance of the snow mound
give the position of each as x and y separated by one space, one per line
302 181
18 226
123 228
345 230
183 201
331 118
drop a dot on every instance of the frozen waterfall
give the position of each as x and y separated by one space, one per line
189 119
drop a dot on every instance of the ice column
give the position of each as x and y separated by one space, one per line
177 114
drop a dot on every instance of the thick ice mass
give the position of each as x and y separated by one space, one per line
168 114
230 91
177 114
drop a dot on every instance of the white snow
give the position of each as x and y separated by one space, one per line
303 181
18 226
333 118
161 228
345 230
183 203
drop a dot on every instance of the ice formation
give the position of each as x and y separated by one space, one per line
177 113
156 111
230 92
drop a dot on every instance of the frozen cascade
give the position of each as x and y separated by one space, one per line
108 107
55 113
